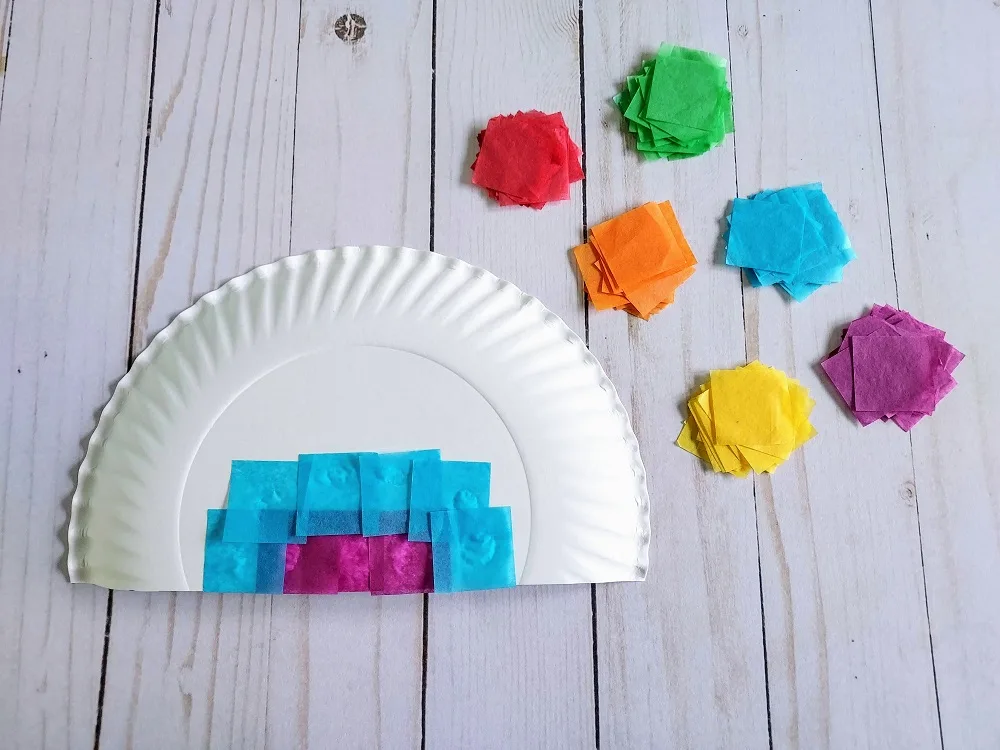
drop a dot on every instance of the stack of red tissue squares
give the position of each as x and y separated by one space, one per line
527 159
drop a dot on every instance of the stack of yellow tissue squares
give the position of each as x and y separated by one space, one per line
750 417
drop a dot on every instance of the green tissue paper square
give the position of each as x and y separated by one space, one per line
679 104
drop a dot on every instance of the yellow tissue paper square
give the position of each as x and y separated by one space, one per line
748 418
751 406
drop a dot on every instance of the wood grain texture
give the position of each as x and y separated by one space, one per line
72 132
218 189
363 127
849 660
681 660
362 175
938 86
270 133
508 668
186 669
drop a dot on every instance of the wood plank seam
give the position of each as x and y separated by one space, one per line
98 719
586 338
913 466
746 348
295 119
425 635
6 24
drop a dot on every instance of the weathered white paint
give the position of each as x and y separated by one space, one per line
939 87
681 660
72 133
247 95
849 660
190 670
511 668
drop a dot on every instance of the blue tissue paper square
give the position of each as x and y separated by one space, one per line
765 235
473 549
329 494
443 485
385 490
832 230
262 484
823 246
270 569
240 567
269 525
230 567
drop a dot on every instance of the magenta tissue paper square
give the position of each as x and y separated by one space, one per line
399 566
327 565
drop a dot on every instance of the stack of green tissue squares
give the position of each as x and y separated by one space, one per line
679 105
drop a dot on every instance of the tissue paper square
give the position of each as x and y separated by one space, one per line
269 525
385 490
329 494
229 567
270 568
327 565
473 549
679 104
441 485
636 261
791 238
527 159
748 418
262 484
399 566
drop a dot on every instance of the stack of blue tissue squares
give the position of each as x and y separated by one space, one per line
790 237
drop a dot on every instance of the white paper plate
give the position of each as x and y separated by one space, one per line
356 349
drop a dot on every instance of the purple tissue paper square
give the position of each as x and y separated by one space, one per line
890 365
867 326
898 373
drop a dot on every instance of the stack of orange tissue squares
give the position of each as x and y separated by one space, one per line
636 261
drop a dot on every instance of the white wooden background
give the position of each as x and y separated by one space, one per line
151 151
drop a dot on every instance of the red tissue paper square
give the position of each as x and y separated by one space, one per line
527 159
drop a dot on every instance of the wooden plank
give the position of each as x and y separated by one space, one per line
680 657
511 668
938 88
218 191
849 659
249 670
190 670
362 175
72 136
363 125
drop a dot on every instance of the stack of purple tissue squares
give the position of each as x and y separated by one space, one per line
892 366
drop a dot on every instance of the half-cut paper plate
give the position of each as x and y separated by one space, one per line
362 349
